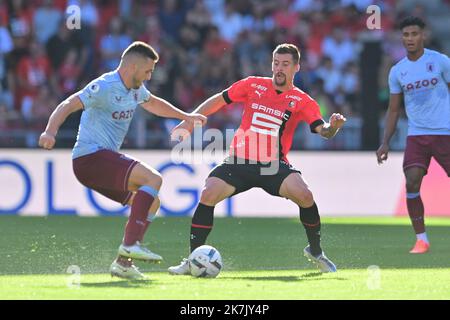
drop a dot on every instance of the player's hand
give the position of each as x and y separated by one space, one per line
382 153
47 140
185 128
182 131
196 119
337 120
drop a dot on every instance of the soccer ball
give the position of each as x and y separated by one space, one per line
205 261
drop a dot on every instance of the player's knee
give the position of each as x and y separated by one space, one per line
153 179
209 196
308 198
304 198
412 184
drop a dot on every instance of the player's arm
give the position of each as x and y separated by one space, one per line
212 104
328 130
163 108
57 118
392 116
208 107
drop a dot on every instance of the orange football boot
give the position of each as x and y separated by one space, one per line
420 247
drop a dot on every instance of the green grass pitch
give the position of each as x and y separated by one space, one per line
262 260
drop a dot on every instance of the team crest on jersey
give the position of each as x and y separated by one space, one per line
430 66
94 88
291 104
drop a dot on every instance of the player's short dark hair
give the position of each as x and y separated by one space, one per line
412 21
143 49
288 48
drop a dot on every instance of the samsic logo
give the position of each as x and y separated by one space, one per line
271 111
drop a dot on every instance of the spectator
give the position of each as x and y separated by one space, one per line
33 71
152 32
283 17
252 52
6 43
322 98
229 23
46 21
215 46
6 97
59 45
183 93
213 79
199 18
42 107
339 48
20 25
258 20
35 112
330 76
68 74
7 116
6 46
171 17
215 7
350 85
113 44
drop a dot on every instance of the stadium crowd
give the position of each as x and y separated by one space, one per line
204 46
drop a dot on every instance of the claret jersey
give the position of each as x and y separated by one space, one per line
269 118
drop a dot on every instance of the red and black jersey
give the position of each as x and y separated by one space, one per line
269 118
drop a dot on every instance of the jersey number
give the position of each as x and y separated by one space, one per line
267 124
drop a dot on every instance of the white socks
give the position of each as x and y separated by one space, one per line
422 236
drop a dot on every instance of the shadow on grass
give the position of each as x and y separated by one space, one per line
115 283
311 276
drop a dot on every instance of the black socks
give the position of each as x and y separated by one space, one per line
202 223
311 221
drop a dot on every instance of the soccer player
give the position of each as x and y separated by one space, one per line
421 80
273 107
108 104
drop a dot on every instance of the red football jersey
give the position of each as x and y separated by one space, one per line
269 118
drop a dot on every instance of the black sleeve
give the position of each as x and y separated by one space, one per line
315 124
226 97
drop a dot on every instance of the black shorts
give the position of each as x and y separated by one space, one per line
244 176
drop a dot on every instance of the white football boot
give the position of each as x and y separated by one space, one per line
181 269
321 261
139 252
131 272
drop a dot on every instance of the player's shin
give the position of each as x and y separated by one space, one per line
150 217
202 223
416 211
137 221
311 222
